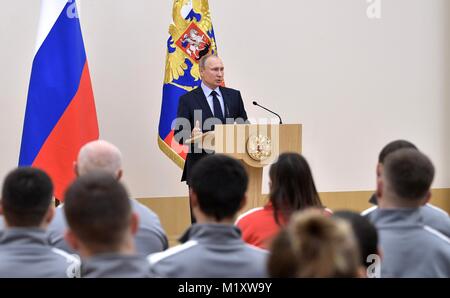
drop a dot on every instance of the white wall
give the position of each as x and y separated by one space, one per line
354 83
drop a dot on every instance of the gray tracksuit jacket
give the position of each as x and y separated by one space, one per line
432 216
115 266
150 237
211 251
25 252
410 248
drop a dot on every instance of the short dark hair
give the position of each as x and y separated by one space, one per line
204 59
394 146
409 173
220 183
292 186
365 233
26 196
98 211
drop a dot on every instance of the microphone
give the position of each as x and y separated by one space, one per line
256 104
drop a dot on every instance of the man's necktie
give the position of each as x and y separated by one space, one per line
217 108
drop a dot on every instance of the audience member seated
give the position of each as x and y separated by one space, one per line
103 156
367 237
410 248
432 216
292 188
101 226
28 209
313 245
213 247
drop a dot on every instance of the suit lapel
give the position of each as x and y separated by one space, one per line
226 101
201 100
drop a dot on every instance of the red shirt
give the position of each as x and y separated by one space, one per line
258 225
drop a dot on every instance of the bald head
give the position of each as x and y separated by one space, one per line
99 156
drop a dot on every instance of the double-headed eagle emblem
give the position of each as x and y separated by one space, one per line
191 37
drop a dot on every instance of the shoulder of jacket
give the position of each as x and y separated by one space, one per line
68 257
229 90
157 257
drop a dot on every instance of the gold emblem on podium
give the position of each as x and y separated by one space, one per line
259 147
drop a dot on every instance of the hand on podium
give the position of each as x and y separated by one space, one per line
197 130
196 134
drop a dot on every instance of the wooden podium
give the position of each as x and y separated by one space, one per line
256 145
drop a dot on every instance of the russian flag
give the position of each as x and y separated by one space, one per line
60 115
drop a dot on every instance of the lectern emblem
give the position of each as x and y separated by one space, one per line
259 147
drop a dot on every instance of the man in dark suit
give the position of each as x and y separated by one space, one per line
205 106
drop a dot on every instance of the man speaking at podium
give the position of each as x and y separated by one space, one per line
205 106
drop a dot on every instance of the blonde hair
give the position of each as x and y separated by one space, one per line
313 245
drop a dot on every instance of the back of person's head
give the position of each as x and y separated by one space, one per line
98 212
26 197
407 177
394 146
314 245
365 232
292 186
388 149
219 183
99 156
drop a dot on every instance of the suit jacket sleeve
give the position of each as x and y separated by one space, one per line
183 129
242 113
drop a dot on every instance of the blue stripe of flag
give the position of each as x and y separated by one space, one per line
169 107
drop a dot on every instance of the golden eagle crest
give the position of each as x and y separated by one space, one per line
191 37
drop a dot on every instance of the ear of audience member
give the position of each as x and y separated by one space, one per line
313 245
365 233
101 227
102 156
212 247
27 207
292 188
